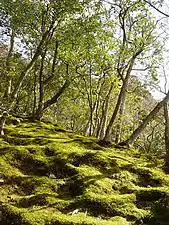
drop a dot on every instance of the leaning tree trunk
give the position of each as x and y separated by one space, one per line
54 99
107 137
166 116
145 122
24 73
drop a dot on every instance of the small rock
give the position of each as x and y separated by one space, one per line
85 213
2 181
5 142
99 218
75 212
52 176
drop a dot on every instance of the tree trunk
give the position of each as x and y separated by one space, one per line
119 124
8 64
166 116
96 119
57 95
104 117
107 137
42 83
146 121
39 111
2 122
86 129
34 93
92 106
32 62
89 127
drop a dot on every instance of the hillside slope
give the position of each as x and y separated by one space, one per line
52 176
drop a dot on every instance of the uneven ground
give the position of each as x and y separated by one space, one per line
48 174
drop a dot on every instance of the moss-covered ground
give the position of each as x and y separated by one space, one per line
52 176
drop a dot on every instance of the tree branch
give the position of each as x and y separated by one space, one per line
158 10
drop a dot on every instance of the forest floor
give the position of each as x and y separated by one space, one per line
52 176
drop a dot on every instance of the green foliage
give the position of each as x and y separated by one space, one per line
91 47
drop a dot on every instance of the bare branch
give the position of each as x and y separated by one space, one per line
158 10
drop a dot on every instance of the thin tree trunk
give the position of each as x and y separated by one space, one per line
119 125
103 122
57 95
96 126
32 62
8 63
2 122
34 93
91 103
146 121
86 129
42 82
96 122
39 111
166 116
107 137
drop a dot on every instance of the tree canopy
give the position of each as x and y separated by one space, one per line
89 65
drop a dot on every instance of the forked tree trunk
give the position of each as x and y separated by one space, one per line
145 122
43 83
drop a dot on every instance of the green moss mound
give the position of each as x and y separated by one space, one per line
51 176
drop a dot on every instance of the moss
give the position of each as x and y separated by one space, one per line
14 215
46 173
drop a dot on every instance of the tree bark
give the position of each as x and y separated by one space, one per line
107 137
31 63
34 93
119 124
2 122
166 116
39 111
8 64
96 119
145 122
104 117
42 83
57 95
